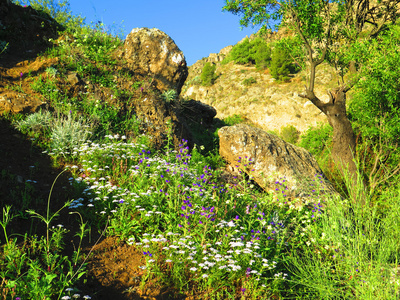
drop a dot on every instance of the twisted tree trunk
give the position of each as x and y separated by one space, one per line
344 139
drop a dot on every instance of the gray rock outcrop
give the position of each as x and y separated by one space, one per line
154 53
272 159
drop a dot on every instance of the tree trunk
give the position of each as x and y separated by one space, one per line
344 139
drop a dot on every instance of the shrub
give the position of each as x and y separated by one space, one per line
234 119
317 139
68 134
169 95
35 123
281 64
290 134
208 76
240 53
249 81
262 54
256 52
59 10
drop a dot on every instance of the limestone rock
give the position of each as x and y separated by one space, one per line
272 159
159 119
154 53
73 78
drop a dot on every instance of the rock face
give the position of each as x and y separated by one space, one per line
160 118
271 158
152 52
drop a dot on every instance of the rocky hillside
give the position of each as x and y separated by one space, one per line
255 95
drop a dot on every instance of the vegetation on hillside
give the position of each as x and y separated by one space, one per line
329 32
199 234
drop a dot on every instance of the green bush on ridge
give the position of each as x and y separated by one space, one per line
208 75
256 52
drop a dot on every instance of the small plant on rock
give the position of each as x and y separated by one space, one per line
169 95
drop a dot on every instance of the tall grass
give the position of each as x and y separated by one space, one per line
356 250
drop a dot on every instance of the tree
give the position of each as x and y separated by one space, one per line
327 28
281 64
375 106
208 74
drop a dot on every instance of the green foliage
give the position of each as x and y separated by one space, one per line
169 95
290 134
317 139
262 55
256 52
234 119
281 64
96 43
375 107
249 81
375 103
58 10
38 123
68 134
208 75
240 53
353 253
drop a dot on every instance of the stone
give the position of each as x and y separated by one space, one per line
73 78
160 120
271 160
154 53
14 102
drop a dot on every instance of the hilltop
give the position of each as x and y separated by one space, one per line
262 100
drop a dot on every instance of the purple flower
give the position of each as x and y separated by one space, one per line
237 217
248 270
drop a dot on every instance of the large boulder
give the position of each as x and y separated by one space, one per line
154 53
272 160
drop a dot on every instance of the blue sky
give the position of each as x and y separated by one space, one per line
198 27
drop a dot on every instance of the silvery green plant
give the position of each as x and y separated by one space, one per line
69 133
37 122
51 71
169 95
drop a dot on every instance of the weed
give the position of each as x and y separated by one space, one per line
169 95
68 134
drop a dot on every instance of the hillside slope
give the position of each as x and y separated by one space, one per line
267 103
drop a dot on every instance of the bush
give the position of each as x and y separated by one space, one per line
290 134
235 119
249 81
317 139
169 95
262 54
208 76
35 123
68 134
240 53
281 64
256 52
58 10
